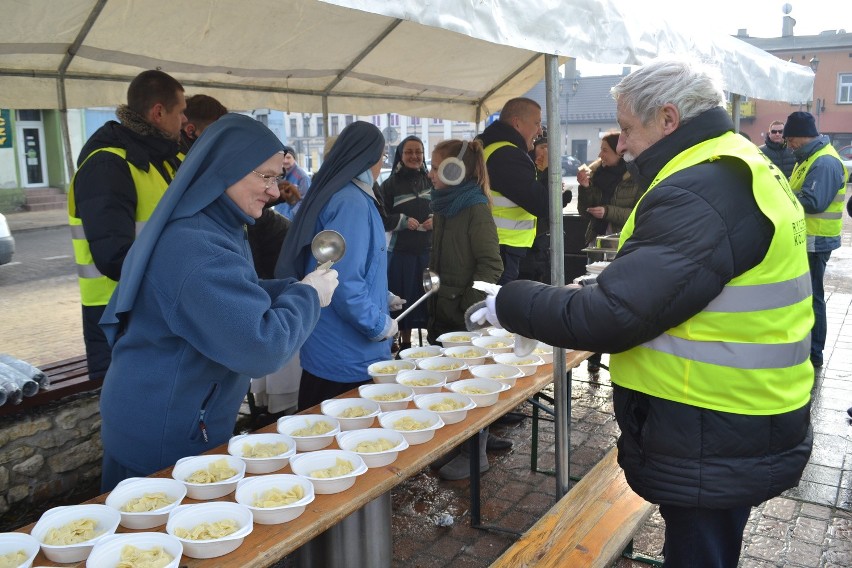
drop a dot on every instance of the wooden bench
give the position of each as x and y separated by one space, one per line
67 377
590 526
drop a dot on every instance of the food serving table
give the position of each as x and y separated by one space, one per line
268 544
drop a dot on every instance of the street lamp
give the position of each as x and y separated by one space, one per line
820 103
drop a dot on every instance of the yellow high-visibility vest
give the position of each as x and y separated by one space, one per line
748 351
95 288
515 225
829 223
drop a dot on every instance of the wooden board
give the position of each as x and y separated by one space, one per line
269 543
590 526
67 377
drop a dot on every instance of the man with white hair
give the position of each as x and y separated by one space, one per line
706 310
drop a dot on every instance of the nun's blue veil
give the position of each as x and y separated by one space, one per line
356 150
230 148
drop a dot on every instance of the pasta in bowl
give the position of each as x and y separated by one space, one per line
145 502
264 452
310 431
416 425
20 546
208 530
450 367
209 476
386 371
330 471
377 446
389 396
351 413
68 534
451 407
275 499
136 549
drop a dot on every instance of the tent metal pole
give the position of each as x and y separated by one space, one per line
736 109
325 117
561 381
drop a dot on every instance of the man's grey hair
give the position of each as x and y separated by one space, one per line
690 86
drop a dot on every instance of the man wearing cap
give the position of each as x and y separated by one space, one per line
819 182
298 177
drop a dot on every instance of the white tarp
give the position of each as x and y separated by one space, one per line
455 59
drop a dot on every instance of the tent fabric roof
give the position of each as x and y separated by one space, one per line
455 59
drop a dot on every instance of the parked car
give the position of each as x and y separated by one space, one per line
7 241
570 165
846 157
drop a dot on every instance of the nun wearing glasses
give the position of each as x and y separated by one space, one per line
190 322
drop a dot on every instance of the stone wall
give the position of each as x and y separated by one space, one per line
49 455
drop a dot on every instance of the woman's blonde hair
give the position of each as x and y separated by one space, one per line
473 158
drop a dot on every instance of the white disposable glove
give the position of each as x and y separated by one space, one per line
487 313
324 281
395 303
394 329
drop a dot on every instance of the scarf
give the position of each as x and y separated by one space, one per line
231 147
607 179
357 149
450 201
134 121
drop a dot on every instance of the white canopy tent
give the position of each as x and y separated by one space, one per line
453 59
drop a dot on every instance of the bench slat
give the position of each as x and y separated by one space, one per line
589 526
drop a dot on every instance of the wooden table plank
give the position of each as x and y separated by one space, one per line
269 543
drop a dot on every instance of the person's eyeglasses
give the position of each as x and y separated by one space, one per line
268 180
777 131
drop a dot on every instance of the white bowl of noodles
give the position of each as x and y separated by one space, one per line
311 431
421 381
418 426
209 476
275 499
23 546
528 364
422 352
145 502
450 367
351 413
330 471
484 392
495 344
389 396
454 338
208 530
470 354
498 372
145 549
450 406
378 447
68 534
386 371
263 452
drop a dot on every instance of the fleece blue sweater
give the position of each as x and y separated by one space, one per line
202 325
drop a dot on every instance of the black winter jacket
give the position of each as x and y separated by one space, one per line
693 233
780 155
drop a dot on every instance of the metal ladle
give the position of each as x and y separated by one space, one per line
328 247
431 283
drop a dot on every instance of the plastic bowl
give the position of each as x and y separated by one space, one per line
251 487
495 344
190 516
493 387
349 441
107 551
237 444
422 352
498 372
470 354
435 364
305 464
426 401
413 437
379 370
106 519
373 391
335 407
437 381
544 351
202 491
528 364
454 338
499 332
14 541
289 424
135 487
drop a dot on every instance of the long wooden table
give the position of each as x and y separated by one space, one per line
268 544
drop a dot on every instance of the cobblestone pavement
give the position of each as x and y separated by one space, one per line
810 526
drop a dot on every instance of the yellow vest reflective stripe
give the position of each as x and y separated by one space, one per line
95 288
748 351
515 225
829 223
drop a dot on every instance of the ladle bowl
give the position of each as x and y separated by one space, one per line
328 247
431 283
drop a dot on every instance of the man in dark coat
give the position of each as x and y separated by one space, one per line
706 310
776 149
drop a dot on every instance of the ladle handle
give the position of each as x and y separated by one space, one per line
414 305
325 265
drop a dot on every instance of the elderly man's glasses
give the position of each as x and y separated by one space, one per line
777 131
269 181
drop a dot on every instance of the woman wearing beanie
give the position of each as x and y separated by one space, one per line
605 197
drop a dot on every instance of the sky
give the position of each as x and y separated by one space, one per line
761 18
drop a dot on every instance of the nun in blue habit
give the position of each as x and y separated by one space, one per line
357 329
189 322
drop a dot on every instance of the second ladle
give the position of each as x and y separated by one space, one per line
431 283
328 247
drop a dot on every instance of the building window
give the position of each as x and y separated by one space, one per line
293 127
349 119
437 121
414 120
394 119
319 126
29 115
377 120
335 125
306 125
844 88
